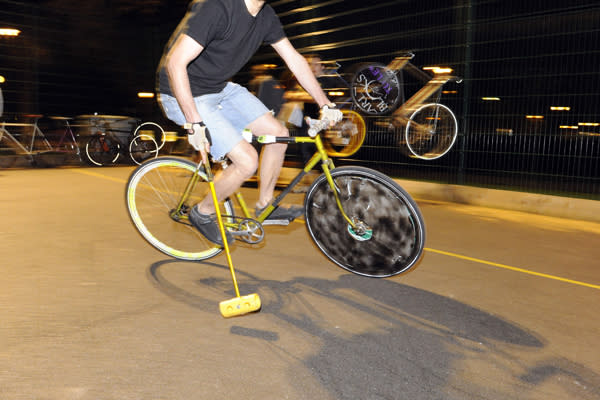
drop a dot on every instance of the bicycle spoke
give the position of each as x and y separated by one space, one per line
154 191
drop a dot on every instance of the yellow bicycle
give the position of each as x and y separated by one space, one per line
360 219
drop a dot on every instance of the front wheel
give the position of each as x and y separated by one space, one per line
431 131
388 231
154 196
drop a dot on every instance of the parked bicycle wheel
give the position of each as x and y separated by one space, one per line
431 131
389 230
142 148
154 130
346 137
376 89
153 196
102 150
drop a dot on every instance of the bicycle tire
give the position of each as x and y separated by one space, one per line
370 197
153 190
142 147
431 131
346 137
101 150
152 129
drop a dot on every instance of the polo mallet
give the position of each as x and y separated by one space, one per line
239 305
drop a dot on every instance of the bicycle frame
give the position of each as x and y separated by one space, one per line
27 148
376 73
320 156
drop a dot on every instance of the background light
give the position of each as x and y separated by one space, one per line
439 70
9 32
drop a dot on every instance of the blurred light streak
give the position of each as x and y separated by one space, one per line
9 32
438 70
308 8
560 108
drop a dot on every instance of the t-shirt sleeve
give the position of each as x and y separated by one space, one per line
204 21
275 32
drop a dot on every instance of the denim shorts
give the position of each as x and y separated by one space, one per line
225 114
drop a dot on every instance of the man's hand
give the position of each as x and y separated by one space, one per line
331 114
199 138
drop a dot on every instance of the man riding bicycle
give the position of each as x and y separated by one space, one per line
212 43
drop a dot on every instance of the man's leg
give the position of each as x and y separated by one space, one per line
244 162
271 158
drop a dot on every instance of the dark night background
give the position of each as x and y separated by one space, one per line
75 57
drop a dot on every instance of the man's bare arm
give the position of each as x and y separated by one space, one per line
300 68
183 52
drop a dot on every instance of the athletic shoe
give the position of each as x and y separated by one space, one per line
208 226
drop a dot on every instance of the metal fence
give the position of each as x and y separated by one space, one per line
528 107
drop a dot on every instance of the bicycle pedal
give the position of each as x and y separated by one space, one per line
248 230
282 222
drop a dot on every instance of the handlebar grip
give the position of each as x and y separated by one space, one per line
316 125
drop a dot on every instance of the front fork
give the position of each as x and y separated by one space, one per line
180 212
327 165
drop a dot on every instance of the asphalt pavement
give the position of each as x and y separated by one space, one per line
501 306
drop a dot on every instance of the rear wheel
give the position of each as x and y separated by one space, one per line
153 194
431 131
388 231
102 150
142 148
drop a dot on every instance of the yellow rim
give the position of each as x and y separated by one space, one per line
347 136
131 193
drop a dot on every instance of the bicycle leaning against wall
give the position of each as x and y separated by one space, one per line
428 128
107 144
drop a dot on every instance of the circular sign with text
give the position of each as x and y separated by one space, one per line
375 89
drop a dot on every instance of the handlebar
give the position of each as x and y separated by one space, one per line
316 125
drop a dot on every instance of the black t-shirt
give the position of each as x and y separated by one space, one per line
230 36
270 92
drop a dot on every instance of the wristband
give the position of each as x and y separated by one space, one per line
190 125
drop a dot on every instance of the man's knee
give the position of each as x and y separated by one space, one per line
268 125
283 131
245 159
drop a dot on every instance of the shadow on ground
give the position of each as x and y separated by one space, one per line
382 339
